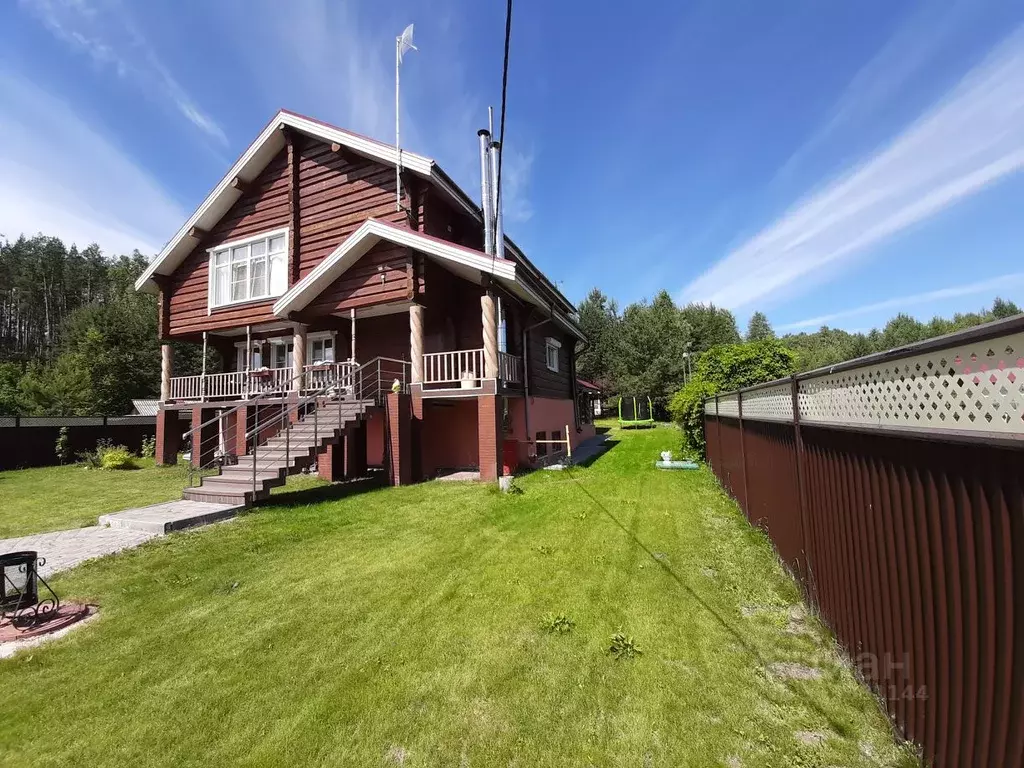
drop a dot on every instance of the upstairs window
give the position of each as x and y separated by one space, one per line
254 268
551 347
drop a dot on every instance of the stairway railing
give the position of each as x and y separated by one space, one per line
362 386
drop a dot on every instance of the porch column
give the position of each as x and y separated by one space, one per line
489 437
204 443
168 437
398 447
490 327
298 355
416 342
166 364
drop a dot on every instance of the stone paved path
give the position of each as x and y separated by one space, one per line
118 531
66 549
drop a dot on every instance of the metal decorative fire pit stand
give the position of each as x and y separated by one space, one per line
19 590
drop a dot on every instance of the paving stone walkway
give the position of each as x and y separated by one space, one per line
117 532
66 549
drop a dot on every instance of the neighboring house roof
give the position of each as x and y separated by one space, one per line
266 146
588 385
464 261
145 407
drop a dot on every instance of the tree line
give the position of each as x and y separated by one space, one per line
75 337
656 347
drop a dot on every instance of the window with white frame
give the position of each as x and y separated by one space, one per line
323 350
551 347
254 268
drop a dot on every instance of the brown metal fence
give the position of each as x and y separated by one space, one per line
906 530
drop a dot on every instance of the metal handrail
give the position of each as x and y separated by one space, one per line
367 385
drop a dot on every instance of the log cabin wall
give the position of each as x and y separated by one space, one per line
451 315
543 381
337 192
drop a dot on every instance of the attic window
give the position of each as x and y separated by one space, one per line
254 268
551 347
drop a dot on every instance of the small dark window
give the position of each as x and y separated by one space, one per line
542 448
555 448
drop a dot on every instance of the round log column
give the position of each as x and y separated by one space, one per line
416 342
166 363
489 318
298 355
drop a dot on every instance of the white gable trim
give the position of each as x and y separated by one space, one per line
363 239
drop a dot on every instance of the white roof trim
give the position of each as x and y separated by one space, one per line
363 239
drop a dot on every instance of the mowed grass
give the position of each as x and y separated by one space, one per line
403 627
71 496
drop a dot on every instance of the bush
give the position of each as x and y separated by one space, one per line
118 457
148 450
63 446
687 409
726 368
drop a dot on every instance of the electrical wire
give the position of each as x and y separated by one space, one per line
504 88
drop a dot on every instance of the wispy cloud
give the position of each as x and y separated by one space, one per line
971 139
901 303
104 31
59 176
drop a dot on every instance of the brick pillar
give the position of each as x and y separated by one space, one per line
330 464
398 444
168 437
204 442
489 435
355 450
241 444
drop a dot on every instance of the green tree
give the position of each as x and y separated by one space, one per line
651 341
599 320
902 330
1001 308
725 368
759 328
709 326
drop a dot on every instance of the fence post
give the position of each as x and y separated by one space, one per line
718 442
743 454
801 498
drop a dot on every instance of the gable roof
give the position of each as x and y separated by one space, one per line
458 258
266 146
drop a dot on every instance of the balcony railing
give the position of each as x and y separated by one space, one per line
453 367
467 365
510 368
262 381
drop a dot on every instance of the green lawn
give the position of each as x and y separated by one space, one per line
53 498
403 627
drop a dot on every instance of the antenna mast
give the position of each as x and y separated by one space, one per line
402 44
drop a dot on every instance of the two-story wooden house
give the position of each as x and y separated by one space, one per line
355 326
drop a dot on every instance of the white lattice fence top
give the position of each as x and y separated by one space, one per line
976 386
728 405
709 407
773 403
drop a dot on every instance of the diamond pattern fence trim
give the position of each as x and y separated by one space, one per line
774 403
976 386
729 405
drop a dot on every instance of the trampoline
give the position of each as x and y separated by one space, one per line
635 411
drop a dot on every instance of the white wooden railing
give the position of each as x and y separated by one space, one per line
453 367
263 381
510 368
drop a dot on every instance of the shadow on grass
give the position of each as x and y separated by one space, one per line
606 446
331 492
839 727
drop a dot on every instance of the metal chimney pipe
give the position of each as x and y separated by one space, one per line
486 190
499 232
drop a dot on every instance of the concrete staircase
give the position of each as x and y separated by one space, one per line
287 453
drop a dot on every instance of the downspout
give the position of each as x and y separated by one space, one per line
575 388
526 375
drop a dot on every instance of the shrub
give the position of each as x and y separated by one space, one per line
148 450
118 457
63 446
687 409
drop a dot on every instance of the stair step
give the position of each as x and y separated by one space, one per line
222 495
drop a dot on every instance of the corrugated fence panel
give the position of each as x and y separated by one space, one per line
772 484
913 551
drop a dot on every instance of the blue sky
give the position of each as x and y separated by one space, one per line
823 162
